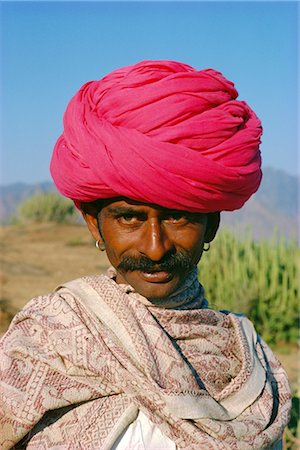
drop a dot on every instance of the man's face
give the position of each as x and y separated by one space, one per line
151 247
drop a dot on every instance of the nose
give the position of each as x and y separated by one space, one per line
155 242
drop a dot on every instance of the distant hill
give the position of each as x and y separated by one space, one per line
274 207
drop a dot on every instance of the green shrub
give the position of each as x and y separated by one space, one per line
259 279
46 207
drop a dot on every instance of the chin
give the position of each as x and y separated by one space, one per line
156 293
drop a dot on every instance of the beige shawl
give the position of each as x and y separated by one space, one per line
77 365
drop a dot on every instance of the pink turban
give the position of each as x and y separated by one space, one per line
159 132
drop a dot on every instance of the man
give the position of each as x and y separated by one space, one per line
135 358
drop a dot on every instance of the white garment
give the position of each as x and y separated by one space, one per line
142 434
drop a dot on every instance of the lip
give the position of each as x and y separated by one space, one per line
156 277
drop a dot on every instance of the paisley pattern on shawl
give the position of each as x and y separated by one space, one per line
80 363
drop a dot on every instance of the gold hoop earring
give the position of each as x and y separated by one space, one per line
100 245
207 248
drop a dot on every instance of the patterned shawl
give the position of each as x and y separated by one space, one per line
77 365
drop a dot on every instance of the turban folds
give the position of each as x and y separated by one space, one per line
159 132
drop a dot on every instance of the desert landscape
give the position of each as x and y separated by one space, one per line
37 258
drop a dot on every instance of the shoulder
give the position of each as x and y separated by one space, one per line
48 315
261 350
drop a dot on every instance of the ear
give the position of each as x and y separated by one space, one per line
90 215
213 222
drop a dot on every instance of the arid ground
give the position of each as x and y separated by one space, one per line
37 258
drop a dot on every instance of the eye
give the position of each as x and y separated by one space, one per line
129 218
176 217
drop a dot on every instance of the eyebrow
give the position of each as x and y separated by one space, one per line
115 211
119 210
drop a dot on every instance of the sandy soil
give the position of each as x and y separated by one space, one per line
37 258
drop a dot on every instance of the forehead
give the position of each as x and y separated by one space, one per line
122 205
124 202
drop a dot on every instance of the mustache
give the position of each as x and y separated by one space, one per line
180 262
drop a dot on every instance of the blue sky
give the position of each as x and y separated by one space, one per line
49 49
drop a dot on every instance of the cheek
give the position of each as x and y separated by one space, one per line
196 250
192 241
116 243
191 238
